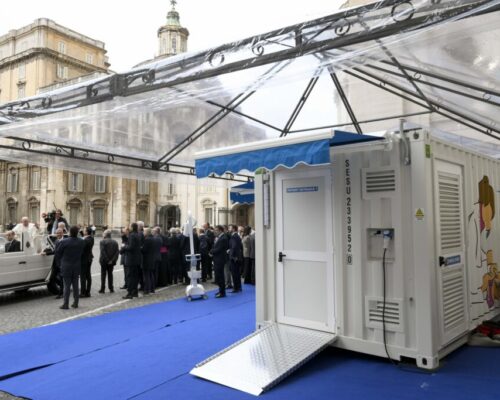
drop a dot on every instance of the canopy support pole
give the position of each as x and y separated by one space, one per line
223 113
366 121
345 101
300 105
438 108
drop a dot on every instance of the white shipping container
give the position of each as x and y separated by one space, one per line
441 275
385 247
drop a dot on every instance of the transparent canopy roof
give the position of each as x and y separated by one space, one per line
432 62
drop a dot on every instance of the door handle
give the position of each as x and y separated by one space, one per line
280 256
22 262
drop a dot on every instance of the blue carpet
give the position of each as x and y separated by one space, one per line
153 361
52 344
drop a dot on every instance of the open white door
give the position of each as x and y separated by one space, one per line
305 278
451 250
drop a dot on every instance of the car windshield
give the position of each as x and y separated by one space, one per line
28 244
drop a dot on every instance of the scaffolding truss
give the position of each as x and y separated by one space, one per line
381 45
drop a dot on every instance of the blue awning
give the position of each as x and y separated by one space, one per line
243 194
286 152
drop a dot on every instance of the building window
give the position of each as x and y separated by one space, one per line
100 184
209 215
62 71
21 91
21 72
90 59
174 45
63 133
142 187
62 47
99 216
99 212
143 212
171 189
207 189
35 182
12 211
12 180
75 182
74 206
34 210
86 131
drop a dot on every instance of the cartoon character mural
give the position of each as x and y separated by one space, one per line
486 205
491 281
480 222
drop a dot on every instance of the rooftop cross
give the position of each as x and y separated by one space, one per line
174 3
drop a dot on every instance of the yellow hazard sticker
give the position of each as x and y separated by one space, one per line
419 214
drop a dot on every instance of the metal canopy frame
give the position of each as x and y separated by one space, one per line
277 48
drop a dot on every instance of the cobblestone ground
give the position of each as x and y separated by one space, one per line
37 307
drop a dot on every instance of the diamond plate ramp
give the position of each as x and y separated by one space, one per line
261 360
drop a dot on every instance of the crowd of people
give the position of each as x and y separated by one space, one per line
150 258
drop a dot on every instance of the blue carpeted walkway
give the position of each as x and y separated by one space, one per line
147 353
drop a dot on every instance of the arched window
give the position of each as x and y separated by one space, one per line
174 45
99 212
208 211
34 210
143 212
12 210
75 207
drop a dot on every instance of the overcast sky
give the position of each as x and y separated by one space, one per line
129 28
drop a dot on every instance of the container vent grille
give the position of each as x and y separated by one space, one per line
453 298
393 314
379 183
450 215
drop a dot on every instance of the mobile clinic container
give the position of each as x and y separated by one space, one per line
381 245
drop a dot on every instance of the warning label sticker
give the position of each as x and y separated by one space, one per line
419 214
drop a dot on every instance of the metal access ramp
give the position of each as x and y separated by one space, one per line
261 360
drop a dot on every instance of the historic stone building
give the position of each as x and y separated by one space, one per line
60 57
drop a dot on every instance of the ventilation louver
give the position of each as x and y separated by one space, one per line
374 314
450 211
453 298
379 183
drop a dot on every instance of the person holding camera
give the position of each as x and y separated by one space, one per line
53 220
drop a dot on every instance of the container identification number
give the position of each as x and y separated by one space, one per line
348 211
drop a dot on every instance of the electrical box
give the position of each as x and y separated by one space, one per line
375 244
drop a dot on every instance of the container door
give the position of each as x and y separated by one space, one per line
451 250
305 279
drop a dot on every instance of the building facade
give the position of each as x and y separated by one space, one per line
55 56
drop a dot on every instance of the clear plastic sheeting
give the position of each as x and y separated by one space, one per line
435 63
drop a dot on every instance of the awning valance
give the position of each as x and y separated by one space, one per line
270 154
243 194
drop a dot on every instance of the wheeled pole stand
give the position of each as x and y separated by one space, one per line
194 288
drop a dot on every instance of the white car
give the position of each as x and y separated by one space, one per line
22 270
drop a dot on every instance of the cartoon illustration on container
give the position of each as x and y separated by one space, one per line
491 281
486 205
480 222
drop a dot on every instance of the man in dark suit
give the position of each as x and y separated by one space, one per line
158 260
13 245
235 258
69 254
133 260
174 256
87 258
109 252
150 248
219 255
55 272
